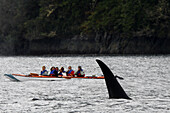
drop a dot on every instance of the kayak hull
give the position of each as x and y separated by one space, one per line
19 77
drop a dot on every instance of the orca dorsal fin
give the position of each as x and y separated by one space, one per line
114 88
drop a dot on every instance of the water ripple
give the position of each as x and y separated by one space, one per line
146 81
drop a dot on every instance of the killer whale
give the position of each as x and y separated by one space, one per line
114 88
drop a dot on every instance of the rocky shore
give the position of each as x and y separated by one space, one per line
96 44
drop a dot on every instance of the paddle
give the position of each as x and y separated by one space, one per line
67 77
34 74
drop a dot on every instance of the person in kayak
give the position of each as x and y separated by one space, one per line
52 73
57 69
80 72
56 72
61 71
44 71
70 72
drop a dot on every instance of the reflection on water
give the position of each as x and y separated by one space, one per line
146 81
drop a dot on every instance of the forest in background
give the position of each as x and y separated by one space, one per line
22 22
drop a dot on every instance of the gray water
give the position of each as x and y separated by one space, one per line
146 81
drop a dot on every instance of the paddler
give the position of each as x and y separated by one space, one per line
70 72
44 71
52 73
80 72
56 71
61 71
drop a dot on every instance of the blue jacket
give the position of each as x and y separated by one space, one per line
52 72
42 72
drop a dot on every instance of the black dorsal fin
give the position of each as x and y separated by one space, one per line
114 88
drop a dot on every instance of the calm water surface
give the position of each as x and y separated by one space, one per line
146 81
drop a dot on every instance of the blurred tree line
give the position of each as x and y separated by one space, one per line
36 19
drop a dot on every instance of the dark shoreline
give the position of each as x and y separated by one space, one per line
92 46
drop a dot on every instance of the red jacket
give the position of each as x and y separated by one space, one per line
71 72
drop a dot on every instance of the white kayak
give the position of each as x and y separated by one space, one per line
36 77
